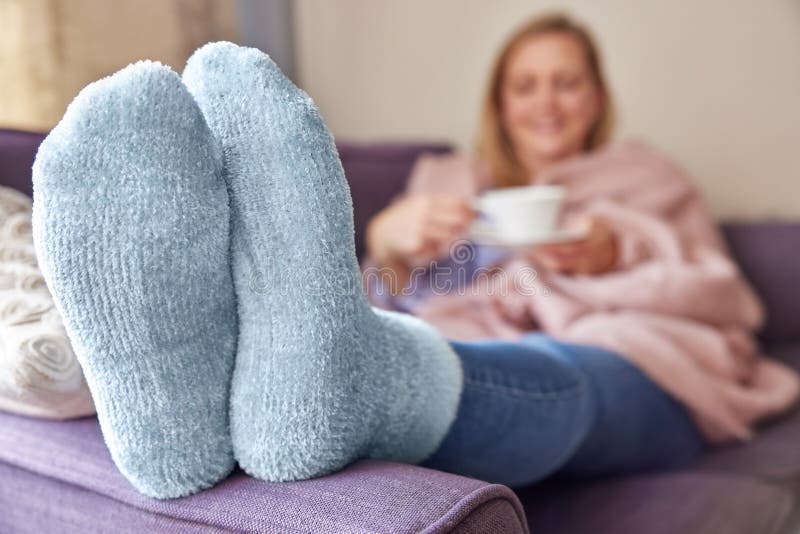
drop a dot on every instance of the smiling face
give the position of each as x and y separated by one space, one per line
549 99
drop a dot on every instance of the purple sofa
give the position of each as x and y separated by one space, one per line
58 476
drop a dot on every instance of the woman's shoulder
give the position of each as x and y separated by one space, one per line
630 148
454 172
639 158
643 152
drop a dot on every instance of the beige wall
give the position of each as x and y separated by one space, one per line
715 83
50 49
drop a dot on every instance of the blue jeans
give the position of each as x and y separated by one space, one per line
540 407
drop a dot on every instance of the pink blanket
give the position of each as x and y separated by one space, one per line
675 305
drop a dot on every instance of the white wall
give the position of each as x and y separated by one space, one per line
715 83
51 49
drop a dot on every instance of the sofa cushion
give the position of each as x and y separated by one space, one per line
699 503
369 496
734 489
39 373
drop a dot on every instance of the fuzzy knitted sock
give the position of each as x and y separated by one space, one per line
321 379
130 221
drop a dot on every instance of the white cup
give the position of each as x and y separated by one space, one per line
521 214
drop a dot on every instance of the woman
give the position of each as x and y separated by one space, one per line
197 235
650 281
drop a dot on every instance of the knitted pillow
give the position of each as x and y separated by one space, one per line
39 374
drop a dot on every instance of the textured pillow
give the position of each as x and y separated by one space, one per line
39 374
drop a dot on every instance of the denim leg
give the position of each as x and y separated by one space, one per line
523 412
637 426
540 406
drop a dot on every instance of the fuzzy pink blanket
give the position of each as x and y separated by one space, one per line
675 305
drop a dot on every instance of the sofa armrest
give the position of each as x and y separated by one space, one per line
46 461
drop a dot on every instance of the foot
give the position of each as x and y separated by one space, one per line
321 379
131 229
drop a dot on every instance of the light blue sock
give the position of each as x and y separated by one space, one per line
130 221
321 379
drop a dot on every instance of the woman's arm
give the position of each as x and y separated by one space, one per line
415 230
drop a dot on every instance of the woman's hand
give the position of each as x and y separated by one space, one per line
594 254
417 227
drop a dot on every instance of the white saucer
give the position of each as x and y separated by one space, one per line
485 236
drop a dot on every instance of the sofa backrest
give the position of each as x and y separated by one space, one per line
17 150
769 255
768 252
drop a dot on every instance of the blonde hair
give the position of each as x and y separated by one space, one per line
493 146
